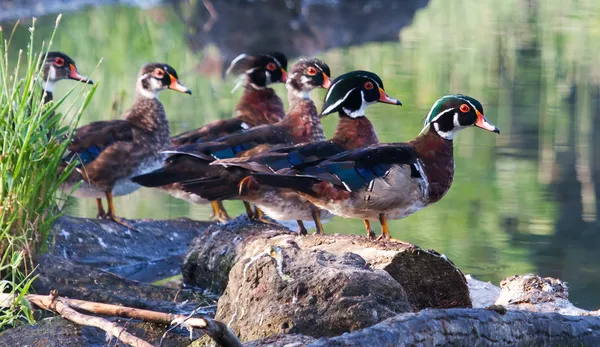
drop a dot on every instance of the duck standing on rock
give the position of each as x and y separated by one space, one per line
109 153
388 180
259 105
349 95
301 124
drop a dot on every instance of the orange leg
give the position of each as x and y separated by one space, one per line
314 211
219 212
101 214
385 231
370 233
249 211
111 213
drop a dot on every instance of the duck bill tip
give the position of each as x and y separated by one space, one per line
74 75
177 86
482 123
386 99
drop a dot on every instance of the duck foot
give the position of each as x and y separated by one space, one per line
370 233
101 213
122 221
218 212
260 218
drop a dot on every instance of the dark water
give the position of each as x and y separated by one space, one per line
523 201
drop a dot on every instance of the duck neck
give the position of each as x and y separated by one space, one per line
354 132
303 122
437 155
259 106
148 114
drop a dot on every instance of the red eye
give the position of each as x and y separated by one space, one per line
311 71
59 61
368 85
159 73
464 108
271 66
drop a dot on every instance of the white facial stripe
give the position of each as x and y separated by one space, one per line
234 61
435 104
363 106
332 107
456 123
473 106
439 115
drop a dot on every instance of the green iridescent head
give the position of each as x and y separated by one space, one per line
453 113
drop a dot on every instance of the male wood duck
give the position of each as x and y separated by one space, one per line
109 153
349 95
258 105
388 180
301 124
59 66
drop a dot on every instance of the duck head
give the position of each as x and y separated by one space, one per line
306 75
59 66
260 70
154 77
453 113
352 92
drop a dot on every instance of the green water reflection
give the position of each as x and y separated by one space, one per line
523 201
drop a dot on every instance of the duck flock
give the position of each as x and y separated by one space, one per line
280 165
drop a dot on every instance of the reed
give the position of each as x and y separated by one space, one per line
32 144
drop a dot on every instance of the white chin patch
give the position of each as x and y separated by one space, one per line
155 86
448 135
49 86
361 111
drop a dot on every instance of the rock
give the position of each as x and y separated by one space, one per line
537 294
277 287
211 255
59 332
292 340
473 327
87 283
428 278
151 253
482 294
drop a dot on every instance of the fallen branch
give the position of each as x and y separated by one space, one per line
67 309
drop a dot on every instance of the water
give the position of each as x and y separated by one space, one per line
523 201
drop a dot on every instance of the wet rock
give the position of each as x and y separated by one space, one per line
279 288
84 282
59 332
151 253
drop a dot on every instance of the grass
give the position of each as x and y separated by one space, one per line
32 144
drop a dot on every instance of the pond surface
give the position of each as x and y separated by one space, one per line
523 201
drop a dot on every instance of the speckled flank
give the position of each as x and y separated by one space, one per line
283 204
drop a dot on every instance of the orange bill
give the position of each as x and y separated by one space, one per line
175 85
482 123
326 81
383 97
74 75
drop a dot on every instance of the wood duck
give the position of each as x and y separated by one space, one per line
349 95
59 66
301 124
109 153
258 105
388 180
